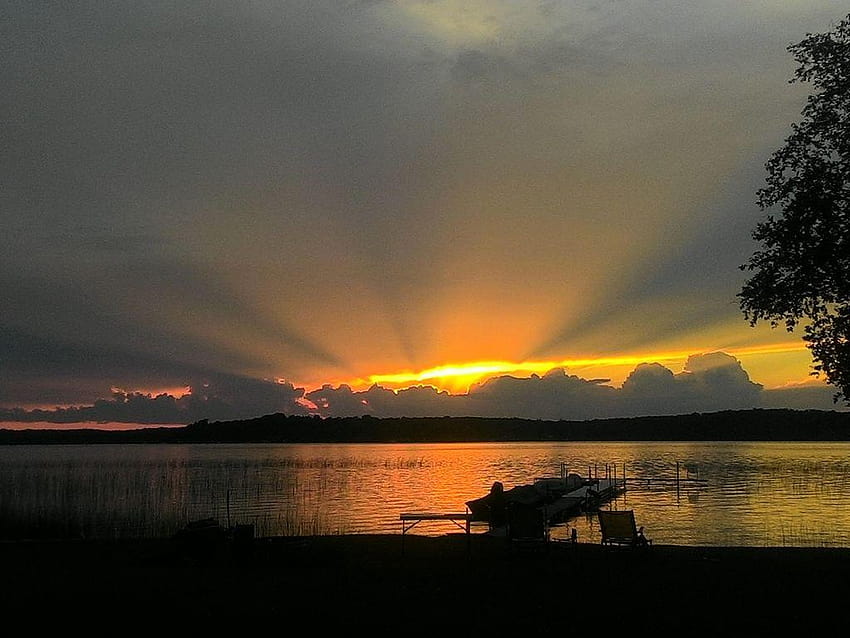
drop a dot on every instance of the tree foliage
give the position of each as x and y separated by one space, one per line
801 271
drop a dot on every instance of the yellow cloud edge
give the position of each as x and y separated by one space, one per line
459 376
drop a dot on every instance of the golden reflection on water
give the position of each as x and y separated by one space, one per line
762 494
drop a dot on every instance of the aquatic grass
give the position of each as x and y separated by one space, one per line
346 462
105 500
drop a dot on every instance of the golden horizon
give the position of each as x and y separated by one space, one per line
459 377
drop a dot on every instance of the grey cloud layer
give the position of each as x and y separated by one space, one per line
268 189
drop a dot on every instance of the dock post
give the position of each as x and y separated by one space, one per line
677 481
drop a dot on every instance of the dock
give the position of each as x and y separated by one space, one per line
559 498
589 496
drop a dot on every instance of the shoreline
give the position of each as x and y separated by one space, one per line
424 582
753 424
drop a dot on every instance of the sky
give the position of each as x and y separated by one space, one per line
419 207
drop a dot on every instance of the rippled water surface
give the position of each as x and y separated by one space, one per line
746 494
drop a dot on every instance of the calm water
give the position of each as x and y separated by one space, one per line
747 494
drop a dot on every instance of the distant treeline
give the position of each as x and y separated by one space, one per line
734 425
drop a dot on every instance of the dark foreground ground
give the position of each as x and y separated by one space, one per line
435 586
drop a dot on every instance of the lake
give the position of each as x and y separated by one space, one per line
728 494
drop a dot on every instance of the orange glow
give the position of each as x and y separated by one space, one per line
177 392
449 377
776 348
459 377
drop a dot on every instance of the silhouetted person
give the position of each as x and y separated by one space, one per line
498 505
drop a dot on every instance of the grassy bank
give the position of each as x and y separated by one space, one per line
434 584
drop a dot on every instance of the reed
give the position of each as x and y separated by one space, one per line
101 500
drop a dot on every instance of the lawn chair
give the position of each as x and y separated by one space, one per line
527 527
619 528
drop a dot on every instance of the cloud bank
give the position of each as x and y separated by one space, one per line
709 382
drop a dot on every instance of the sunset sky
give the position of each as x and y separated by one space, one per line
224 207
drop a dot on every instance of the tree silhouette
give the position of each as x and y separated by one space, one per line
802 268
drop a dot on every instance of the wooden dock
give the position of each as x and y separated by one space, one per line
559 498
587 497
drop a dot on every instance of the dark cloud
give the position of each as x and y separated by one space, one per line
413 401
65 371
338 401
710 382
803 397
650 380
219 398
555 395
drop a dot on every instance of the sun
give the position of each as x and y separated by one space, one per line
458 378
453 378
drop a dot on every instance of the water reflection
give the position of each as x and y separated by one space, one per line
755 494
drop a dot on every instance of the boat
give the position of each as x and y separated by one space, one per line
559 498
